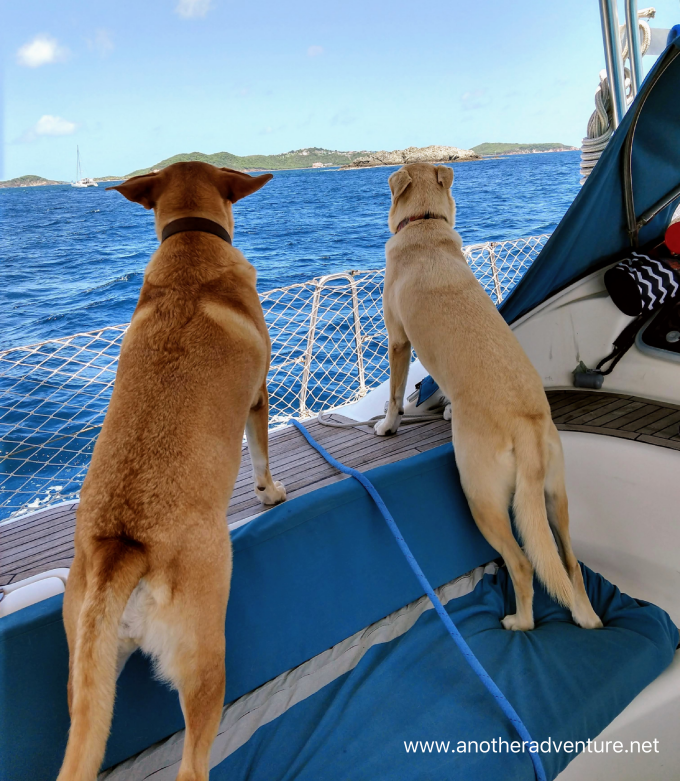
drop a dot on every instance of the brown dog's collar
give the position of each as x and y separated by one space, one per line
195 224
426 216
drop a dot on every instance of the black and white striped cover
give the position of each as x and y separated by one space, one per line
641 284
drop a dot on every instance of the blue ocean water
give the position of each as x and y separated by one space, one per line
73 260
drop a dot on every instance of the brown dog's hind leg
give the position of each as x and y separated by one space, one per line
73 602
185 635
257 433
400 359
558 515
202 698
114 568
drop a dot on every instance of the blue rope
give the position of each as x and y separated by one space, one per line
465 649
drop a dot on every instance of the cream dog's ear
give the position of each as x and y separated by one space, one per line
140 189
235 185
445 176
398 182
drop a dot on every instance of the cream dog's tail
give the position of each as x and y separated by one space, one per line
531 517
117 567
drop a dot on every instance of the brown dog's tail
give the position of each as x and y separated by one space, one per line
531 518
116 568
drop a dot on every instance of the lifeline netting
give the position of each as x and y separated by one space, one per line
329 347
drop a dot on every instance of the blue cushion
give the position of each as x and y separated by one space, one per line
307 574
566 683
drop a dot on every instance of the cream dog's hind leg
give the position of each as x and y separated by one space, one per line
257 433
488 479
400 359
558 516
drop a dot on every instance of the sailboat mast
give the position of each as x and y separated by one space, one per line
78 176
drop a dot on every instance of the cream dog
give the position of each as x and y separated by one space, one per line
153 559
505 441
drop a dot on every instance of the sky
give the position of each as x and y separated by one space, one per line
132 83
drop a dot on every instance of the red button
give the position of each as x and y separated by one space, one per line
672 238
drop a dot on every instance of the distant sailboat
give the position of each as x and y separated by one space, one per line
80 180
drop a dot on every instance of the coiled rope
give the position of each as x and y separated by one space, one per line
459 640
325 420
600 123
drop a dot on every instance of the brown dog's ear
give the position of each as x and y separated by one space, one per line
445 176
235 185
140 189
398 182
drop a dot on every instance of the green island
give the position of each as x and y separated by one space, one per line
519 149
30 180
312 157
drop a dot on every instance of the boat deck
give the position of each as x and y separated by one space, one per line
44 540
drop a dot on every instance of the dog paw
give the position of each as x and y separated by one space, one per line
586 617
384 428
513 622
272 494
447 412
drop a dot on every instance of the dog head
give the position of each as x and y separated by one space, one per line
191 190
421 188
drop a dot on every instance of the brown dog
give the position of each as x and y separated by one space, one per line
153 559
506 443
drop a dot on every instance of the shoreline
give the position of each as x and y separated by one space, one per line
109 179
399 165
455 162
537 152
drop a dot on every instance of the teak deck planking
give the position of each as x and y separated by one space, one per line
44 540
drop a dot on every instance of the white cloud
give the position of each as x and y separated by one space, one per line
42 50
192 9
474 100
268 130
315 51
48 125
101 43
343 117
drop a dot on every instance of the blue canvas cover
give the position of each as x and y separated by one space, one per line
566 684
594 229
311 573
307 574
